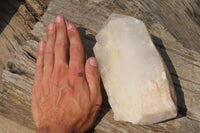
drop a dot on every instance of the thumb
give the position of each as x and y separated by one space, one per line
93 79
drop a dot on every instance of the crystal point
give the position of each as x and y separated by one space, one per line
138 84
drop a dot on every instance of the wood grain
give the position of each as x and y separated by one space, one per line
182 60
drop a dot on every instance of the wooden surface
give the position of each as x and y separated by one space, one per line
9 126
179 49
16 23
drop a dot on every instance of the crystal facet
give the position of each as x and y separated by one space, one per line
138 84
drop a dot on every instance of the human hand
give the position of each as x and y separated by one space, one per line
66 96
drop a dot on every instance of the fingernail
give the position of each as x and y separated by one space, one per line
70 26
58 18
93 62
51 26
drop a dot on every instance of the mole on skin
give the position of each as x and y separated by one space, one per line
80 74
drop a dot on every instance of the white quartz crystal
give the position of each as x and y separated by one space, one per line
138 84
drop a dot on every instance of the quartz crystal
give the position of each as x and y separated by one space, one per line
137 82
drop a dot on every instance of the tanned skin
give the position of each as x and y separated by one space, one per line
66 95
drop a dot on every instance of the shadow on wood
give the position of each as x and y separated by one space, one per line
7 10
182 109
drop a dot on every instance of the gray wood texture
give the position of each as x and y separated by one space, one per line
9 126
175 32
16 23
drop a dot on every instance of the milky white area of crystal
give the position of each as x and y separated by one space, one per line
134 75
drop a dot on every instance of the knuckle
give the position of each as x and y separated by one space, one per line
75 47
73 73
60 44
57 73
39 53
58 67
61 26
48 51
71 33
50 33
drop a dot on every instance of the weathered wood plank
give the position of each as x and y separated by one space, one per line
23 63
16 23
28 18
184 64
5 127
89 17
13 38
35 7
16 98
179 125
